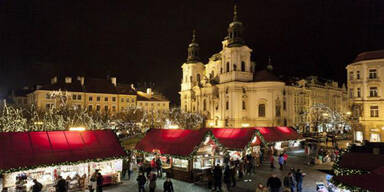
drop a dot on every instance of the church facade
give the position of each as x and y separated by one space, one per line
230 93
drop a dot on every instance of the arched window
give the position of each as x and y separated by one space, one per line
234 67
243 105
242 66
198 77
227 66
261 110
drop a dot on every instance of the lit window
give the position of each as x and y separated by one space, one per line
374 111
372 74
261 110
373 91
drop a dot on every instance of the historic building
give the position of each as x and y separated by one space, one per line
102 95
229 92
366 92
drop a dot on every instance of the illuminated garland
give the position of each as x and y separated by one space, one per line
341 185
58 164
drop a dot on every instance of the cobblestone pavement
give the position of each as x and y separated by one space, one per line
296 160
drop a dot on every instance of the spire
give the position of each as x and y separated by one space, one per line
193 50
235 30
235 18
269 66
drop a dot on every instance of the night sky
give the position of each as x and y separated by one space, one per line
146 41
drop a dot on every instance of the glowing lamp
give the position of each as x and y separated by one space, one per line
245 125
77 128
348 113
38 123
211 124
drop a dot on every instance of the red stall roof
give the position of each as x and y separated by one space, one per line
37 149
235 138
274 134
171 141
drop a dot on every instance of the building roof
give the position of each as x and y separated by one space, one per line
172 141
235 138
153 98
274 134
265 75
368 55
38 149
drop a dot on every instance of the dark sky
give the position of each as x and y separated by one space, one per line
147 40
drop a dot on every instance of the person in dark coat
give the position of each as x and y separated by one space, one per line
99 182
37 186
227 177
141 180
299 180
290 182
217 175
168 186
274 183
61 185
159 167
125 168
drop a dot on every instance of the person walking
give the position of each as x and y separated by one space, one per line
227 177
124 169
61 185
285 156
217 175
168 186
159 167
141 180
37 186
92 182
99 182
274 183
290 182
130 169
152 182
281 161
299 180
272 161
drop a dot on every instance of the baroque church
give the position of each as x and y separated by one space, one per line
230 93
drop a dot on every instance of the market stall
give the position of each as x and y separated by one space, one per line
188 152
279 139
238 142
44 156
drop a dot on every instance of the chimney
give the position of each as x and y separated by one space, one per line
113 81
68 80
54 80
81 79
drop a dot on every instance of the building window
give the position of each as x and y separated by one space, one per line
374 111
375 137
350 93
205 105
105 98
357 74
89 107
198 77
90 98
373 91
122 100
97 107
98 98
358 92
243 66
227 66
226 91
351 75
227 105
221 70
133 100
234 67
113 108
243 105
284 105
73 97
244 90
114 99
261 110
372 74
106 108
78 97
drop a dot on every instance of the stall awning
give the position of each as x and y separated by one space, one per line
235 138
20 150
171 141
274 134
